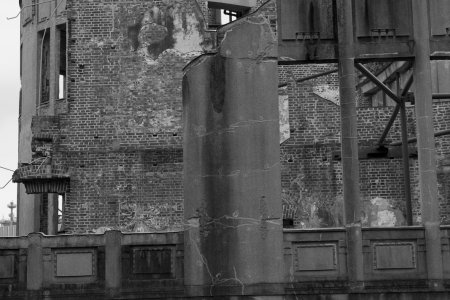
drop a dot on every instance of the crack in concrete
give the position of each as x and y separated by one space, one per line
231 128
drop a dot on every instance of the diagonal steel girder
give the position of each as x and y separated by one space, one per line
380 84
399 98
396 111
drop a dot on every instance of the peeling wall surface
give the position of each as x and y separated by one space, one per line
123 133
232 181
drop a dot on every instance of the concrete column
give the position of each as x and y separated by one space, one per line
426 143
233 239
113 262
349 141
34 262
52 228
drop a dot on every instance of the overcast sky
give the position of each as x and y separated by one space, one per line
9 99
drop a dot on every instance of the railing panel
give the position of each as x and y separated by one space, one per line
315 254
394 253
445 239
71 266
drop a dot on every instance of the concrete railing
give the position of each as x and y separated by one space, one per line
107 265
393 259
151 264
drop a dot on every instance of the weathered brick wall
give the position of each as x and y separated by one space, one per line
122 134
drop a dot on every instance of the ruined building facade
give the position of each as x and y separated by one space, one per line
101 121
101 109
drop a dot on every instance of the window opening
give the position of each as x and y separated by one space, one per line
43 224
229 16
221 13
44 78
21 60
61 204
62 62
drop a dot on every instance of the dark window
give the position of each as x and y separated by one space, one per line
44 71
62 62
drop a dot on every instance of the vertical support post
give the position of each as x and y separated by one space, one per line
350 164
426 143
405 155
232 175
34 262
52 228
113 262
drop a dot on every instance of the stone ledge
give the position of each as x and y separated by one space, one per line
43 178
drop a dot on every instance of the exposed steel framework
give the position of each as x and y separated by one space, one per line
351 33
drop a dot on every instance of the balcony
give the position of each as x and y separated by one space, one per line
41 178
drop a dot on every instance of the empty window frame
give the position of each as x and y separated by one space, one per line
62 62
58 67
44 66
61 205
221 14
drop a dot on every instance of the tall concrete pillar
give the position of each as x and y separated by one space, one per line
233 237
349 143
52 214
426 144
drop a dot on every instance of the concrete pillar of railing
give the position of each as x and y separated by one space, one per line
113 262
428 186
34 262
349 145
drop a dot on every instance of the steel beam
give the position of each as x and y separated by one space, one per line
375 80
441 96
310 77
395 112
349 143
389 125
414 139
405 154
426 144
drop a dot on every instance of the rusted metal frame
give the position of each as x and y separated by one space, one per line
414 139
395 112
405 152
349 143
375 80
310 77
426 144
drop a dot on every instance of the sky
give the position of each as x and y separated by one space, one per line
9 99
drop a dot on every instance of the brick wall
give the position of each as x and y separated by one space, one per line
121 136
